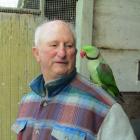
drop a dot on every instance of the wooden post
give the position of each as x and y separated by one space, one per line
84 30
42 7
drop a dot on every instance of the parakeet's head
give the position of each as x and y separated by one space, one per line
89 51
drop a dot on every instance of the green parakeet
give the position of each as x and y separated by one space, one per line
100 72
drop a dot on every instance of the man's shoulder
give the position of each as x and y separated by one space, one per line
83 84
30 96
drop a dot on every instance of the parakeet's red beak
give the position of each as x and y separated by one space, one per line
82 54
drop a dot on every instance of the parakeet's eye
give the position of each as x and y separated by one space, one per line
82 54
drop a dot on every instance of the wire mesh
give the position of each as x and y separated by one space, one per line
29 4
61 9
53 9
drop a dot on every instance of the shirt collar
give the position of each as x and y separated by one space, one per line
51 88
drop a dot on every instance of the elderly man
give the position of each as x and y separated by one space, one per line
63 105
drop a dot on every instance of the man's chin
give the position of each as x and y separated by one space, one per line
61 72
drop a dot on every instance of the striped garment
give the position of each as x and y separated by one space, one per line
69 108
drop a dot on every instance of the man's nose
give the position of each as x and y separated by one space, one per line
62 51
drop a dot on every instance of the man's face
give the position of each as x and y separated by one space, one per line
56 53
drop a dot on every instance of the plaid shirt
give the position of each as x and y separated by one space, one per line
69 108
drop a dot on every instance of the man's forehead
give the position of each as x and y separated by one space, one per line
57 27
54 30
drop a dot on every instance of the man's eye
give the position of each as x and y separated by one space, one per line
69 46
53 45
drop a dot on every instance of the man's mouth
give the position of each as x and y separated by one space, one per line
61 62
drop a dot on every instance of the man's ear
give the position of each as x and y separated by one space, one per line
35 51
76 51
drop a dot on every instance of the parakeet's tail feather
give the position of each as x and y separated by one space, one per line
120 99
114 92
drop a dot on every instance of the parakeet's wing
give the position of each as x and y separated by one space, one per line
106 76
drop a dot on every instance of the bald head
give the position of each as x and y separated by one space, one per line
44 30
